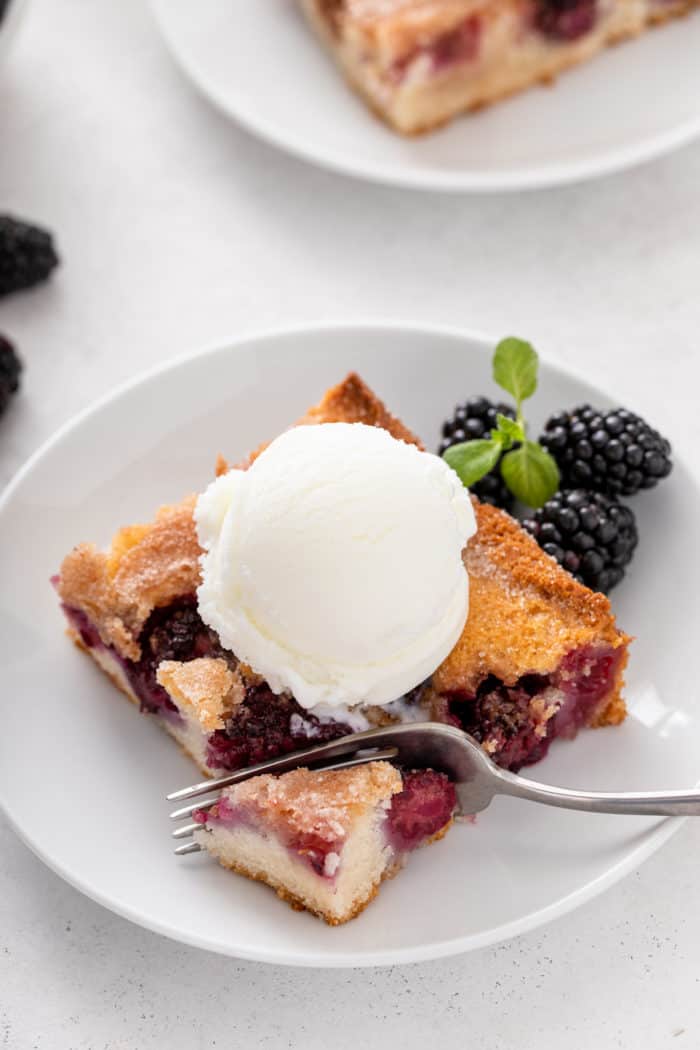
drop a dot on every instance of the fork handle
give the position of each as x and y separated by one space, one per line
643 803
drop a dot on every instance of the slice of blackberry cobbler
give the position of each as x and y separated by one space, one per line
326 840
539 657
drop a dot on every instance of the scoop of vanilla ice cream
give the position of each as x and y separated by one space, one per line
333 565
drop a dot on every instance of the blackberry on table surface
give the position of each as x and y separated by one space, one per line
27 254
588 533
475 419
10 369
614 452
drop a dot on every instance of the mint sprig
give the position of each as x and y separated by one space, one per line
528 470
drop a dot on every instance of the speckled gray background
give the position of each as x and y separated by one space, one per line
178 229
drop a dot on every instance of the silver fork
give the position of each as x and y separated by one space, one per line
448 750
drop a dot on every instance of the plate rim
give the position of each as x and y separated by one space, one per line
612 161
657 835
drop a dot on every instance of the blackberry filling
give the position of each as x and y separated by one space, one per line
517 723
421 810
565 20
266 725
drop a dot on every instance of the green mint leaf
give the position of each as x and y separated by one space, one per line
530 473
510 428
472 459
515 368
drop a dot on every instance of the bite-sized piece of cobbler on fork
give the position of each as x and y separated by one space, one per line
418 63
539 657
325 840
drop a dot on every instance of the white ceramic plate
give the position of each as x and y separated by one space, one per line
97 814
259 63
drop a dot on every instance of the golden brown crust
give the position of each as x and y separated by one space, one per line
323 803
525 612
352 401
205 688
147 566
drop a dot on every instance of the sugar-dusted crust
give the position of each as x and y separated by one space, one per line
146 567
205 688
382 48
323 803
525 614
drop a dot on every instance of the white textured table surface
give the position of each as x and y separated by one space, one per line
177 229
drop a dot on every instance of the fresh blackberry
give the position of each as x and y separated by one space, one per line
4 4
27 254
590 534
10 368
613 452
476 418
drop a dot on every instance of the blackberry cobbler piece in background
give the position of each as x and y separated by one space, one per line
615 452
475 419
420 63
